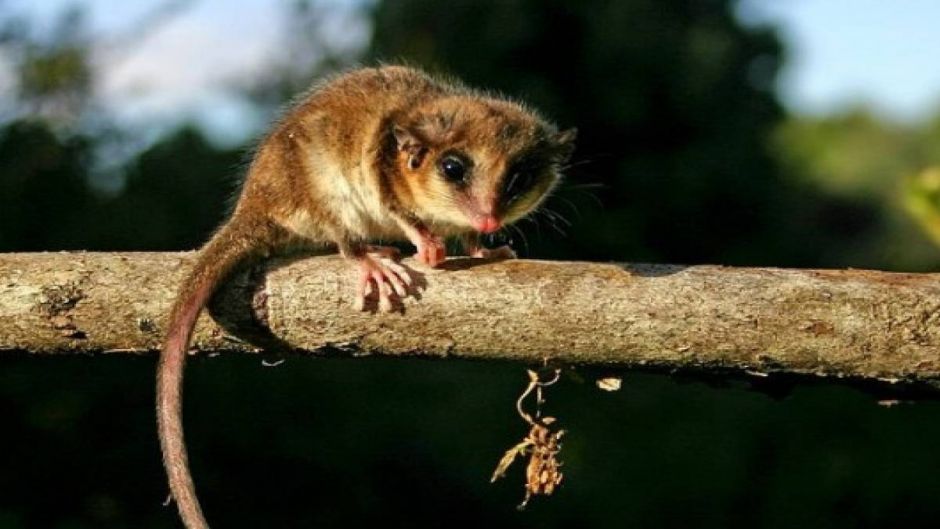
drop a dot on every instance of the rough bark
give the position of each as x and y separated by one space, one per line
842 323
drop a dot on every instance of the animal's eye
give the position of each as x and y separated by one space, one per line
454 169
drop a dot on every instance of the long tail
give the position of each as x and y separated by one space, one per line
239 240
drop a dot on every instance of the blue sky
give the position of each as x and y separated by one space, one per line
883 53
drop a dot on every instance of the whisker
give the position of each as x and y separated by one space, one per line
554 224
512 181
576 163
584 185
571 205
593 196
525 241
555 215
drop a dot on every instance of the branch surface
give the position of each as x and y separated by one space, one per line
841 323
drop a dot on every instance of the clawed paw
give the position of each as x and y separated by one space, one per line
503 252
431 251
383 278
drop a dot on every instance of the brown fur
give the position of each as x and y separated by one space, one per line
357 159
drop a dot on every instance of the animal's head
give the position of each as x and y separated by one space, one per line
476 163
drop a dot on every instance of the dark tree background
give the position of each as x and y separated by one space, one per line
685 155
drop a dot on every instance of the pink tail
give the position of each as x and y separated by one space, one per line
234 243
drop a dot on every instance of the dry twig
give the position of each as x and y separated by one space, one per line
542 444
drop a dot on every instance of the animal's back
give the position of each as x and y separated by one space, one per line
356 101
328 132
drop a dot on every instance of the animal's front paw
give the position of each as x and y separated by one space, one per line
503 252
431 250
383 278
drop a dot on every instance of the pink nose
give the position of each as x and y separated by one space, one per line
486 224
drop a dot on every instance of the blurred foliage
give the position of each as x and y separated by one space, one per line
882 168
54 74
173 197
175 194
685 155
44 198
922 200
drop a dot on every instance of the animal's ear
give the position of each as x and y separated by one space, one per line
566 136
425 131
412 143
436 128
407 139
563 143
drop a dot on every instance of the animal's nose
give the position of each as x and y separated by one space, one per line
486 223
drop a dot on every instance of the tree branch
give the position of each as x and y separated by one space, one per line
846 323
